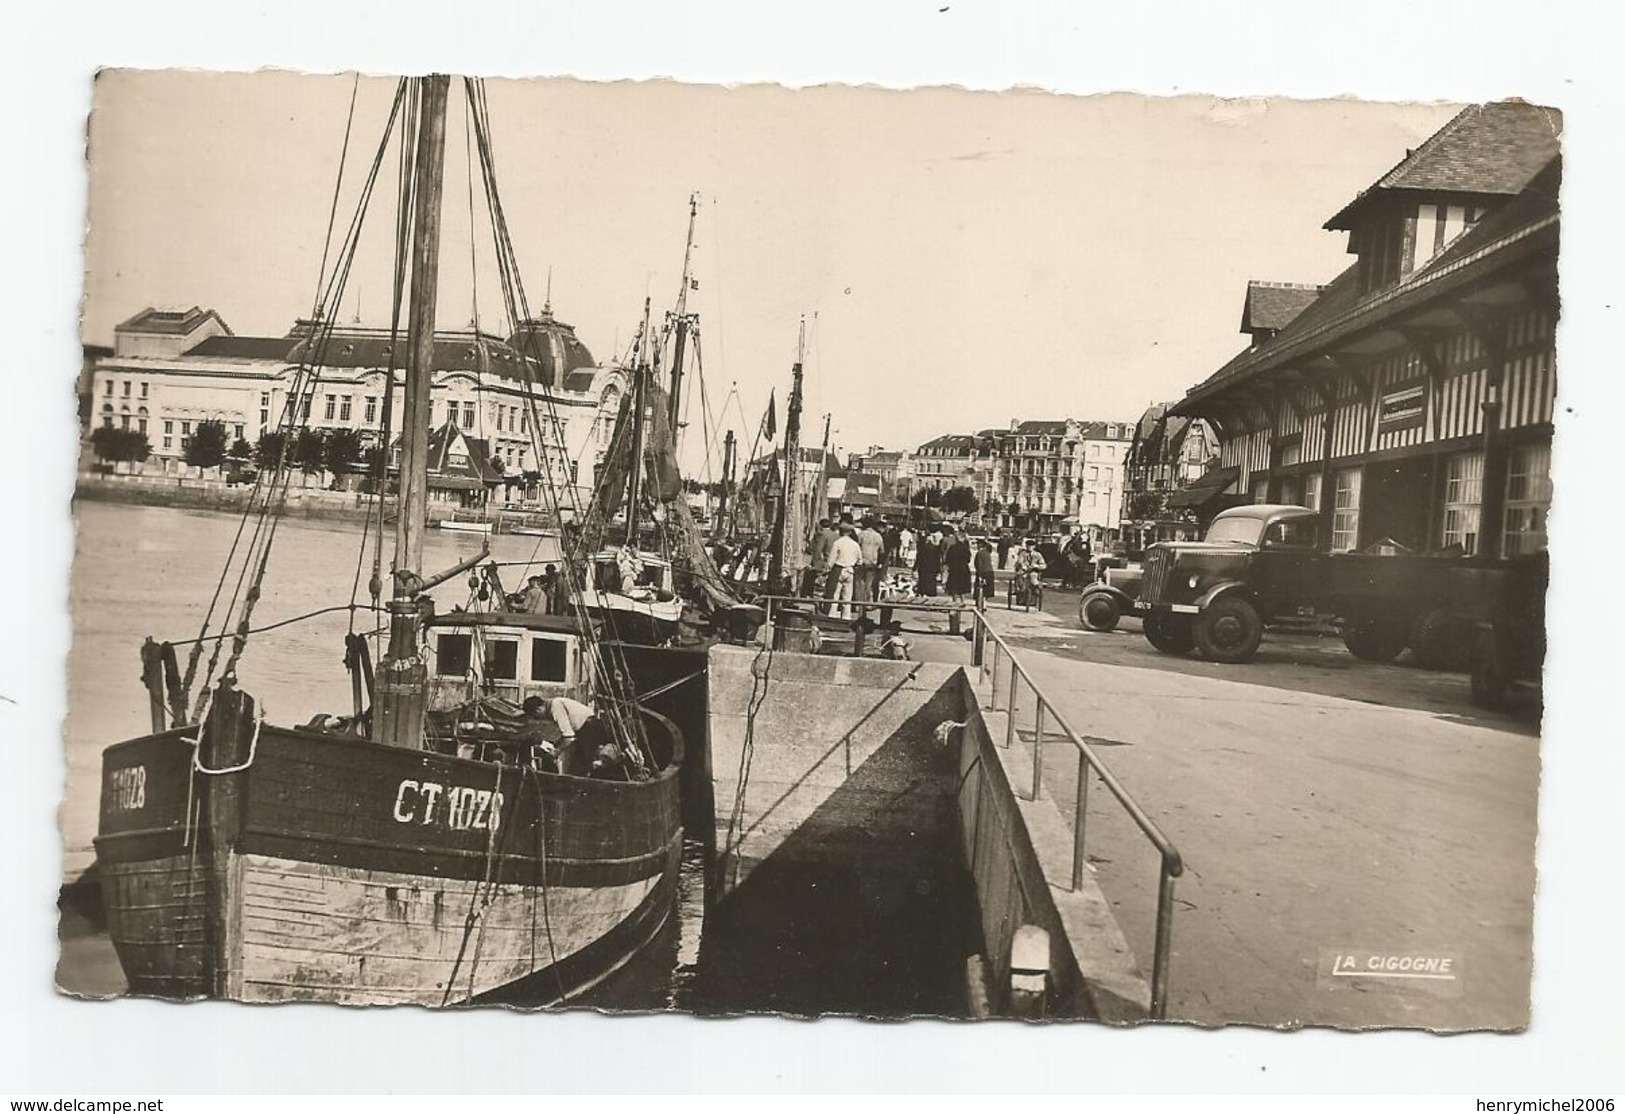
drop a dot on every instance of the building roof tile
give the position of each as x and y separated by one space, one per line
1494 148
1273 305
244 348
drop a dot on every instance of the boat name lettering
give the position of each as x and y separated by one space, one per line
129 786
458 807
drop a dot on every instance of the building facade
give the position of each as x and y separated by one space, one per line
1411 399
1168 454
170 371
1047 472
893 468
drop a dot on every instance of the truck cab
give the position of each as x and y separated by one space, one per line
1258 564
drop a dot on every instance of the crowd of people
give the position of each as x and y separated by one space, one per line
853 560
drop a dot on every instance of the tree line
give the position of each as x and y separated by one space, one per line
338 451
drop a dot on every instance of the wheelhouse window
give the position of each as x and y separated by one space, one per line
452 655
1528 499
549 660
1463 499
1345 509
501 660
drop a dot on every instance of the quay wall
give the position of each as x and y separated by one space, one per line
1011 889
868 784
215 495
837 885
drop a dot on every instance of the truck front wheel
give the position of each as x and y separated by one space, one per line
1099 611
1374 639
1229 630
1169 633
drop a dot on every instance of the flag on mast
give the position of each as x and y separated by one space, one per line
770 424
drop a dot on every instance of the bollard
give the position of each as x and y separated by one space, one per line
1029 973
953 622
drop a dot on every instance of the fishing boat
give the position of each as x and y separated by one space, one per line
425 848
645 565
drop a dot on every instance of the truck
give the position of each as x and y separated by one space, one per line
1263 565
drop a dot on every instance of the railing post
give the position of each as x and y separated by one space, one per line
993 696
1165 930
1010 709
858 626
1081 806
1038 746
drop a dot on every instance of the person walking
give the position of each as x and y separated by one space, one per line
845 556
905 547
1004 547
957 557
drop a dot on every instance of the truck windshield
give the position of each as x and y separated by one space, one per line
1236 531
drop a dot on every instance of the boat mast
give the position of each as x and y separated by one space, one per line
403 674
682 321
787 531
634 474
821 492
725 520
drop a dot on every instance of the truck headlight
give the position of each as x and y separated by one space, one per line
1193 581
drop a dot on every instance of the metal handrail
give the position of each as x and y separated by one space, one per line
865 605
1171 862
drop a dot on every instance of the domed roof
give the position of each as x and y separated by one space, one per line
554 346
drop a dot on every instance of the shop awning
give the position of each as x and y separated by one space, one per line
1205 488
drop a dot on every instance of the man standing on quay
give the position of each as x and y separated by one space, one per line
871 543
819 572
844 557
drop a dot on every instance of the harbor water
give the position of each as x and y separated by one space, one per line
149 571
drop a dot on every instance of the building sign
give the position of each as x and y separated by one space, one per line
1404 408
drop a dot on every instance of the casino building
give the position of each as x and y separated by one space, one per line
1411 398
172 369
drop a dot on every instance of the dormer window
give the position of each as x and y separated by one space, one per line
1437 226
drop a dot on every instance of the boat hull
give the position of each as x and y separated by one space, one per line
647 623
361 874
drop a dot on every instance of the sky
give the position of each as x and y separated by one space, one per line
961 258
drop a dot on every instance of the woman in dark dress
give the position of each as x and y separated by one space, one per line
958 561
928 564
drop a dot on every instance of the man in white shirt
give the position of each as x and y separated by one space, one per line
844 558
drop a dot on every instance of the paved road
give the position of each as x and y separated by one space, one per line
1324 806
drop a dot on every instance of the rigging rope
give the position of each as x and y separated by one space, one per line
296 413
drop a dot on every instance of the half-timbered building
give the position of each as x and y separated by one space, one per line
1411 398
